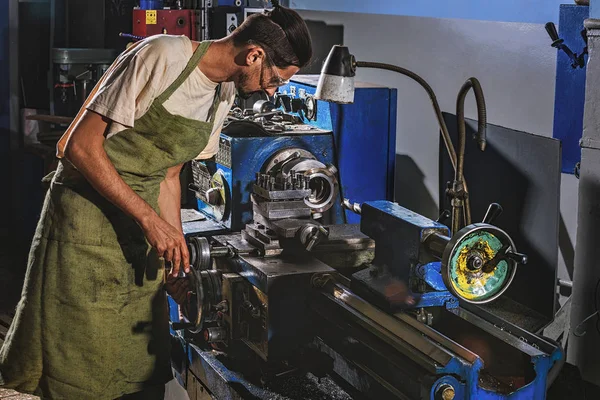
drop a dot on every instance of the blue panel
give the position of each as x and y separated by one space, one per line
532 11
595 9
570 87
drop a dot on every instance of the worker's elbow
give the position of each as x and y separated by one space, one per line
73 153
78 153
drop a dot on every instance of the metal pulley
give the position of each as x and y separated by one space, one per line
200 306
205 283
199 250
202 253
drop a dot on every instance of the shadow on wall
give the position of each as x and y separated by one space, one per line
410 190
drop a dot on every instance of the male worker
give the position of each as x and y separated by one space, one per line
92 322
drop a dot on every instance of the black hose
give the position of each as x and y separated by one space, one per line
471 83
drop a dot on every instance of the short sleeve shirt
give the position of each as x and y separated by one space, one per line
144 72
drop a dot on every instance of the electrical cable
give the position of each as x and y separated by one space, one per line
596 313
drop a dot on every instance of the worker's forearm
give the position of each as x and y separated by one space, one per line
169 199
93 163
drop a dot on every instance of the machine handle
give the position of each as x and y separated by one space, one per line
444 215
584 36
551 29
504 254
519 258
320 234
179 326
493 211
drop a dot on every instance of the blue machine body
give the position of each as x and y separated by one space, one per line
398 233
570 87
358 139
245 156
364 135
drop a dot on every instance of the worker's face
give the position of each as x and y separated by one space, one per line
261 74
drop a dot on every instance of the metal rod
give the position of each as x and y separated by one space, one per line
565 283
435 244
354 207
407 339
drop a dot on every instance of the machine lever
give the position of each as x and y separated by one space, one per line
504 254
552 32
317 236
444 215
179 326
493 211
519 258
577 61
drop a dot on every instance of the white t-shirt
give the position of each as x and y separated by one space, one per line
146 71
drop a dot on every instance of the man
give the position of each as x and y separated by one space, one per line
92 322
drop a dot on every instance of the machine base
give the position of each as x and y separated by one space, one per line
212 375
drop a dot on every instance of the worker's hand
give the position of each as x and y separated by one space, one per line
168 242
178 288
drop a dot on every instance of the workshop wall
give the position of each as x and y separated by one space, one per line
513 61
531 11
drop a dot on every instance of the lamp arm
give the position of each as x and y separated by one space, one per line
430 92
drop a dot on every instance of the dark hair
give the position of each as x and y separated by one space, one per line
282 33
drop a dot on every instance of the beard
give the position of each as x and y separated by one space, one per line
242 92
242 85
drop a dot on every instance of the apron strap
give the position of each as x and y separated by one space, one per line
190 67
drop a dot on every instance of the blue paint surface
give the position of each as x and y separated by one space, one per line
431 273
569 98
248 155
595 9
530 11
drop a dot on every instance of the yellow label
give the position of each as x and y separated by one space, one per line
150 17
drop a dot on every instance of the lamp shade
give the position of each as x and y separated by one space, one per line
336 82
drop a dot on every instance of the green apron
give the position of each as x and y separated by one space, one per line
92 322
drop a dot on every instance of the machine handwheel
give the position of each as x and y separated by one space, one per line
206 293
478 264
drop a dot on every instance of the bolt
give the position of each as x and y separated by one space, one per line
474 262
448 393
